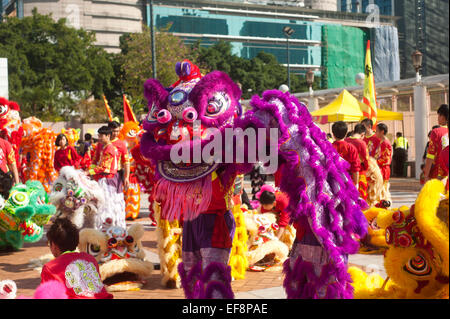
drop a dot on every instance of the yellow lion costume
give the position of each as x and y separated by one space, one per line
417 260
130 134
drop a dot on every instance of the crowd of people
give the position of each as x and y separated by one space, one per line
107 161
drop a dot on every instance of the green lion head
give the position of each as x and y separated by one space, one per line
24 214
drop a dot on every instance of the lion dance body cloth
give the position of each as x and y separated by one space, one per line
323 200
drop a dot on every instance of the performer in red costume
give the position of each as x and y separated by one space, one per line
438 141
124 158
383 153
104 170
370 137
274 202
79 272
357 141
346 150
66 155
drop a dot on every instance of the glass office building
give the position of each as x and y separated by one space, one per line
385 7
248 34
332 44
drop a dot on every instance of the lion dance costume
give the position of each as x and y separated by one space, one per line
38 145
322 196
130 134
11 125
416 261
24 214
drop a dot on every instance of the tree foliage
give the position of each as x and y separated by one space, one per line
135 65
51 65
54 68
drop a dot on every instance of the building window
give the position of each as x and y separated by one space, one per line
385 103
404 103
436 100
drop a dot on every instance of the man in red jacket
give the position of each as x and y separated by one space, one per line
79 272
346 150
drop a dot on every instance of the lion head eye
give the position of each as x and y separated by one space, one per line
177 97
93 249
3 109
20 198
58 187
152 115
217 105
418 266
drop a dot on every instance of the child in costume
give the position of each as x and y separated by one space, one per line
270 235
383 155
272 201
79 272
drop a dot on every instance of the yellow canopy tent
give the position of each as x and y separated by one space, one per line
343 108
348 109
383 115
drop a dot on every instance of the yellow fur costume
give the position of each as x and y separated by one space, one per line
417 260
376 238
376 190
238 258
169 248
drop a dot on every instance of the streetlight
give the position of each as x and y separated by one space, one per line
359 78
310 81
312 102
417 62
283 88
152 35
288 31
420 112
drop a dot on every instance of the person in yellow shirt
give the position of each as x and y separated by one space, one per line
400 156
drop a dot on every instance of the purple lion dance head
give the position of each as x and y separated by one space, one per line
322 195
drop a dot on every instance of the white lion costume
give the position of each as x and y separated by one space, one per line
120 255
262 240
78 198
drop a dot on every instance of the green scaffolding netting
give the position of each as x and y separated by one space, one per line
343 54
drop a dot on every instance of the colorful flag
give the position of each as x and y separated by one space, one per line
369 96
108 110
128 115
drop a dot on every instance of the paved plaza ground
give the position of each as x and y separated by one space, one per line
256 285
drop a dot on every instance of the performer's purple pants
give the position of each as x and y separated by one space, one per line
204 271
